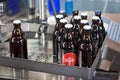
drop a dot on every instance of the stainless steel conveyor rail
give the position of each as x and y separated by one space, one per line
52 68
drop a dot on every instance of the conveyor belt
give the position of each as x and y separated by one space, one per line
113 30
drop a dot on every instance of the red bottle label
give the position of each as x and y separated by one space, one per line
69 59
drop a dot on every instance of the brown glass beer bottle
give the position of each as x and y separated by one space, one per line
68 55
96 32
55 34
86 48
76 29
61 32
18 43
102 28
76 34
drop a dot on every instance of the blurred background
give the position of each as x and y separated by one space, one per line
109 8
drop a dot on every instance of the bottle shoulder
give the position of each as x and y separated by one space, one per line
18 39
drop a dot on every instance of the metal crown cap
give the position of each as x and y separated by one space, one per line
68 26
95 18
87 27
98 11
84 14
84 21
16 22
59 16
63 21
77 17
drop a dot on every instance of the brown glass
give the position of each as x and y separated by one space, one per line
74 13
83 17
76 35
81 27
102 28
87 49
76 31
96 33
55 42
67 44
18 43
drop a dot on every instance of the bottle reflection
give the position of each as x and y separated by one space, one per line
20 74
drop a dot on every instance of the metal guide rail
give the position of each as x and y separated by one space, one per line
58 69
47 66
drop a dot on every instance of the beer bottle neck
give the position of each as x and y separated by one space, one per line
17 31
76 21
87 38
83 17
98 16
95 21
17 26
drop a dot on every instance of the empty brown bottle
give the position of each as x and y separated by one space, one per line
102 28
18 43
68 55
96 32
86 48
84 15
55 34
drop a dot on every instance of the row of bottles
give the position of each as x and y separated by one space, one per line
76 43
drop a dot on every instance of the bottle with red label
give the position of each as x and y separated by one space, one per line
96 32
18 43
55 34
68 55
86 48
84 15
102 28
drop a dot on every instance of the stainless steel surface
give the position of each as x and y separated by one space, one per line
113 31
26 27
41 61
31 3
110 56
42 9
107 75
